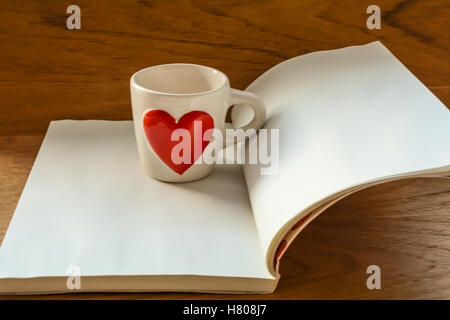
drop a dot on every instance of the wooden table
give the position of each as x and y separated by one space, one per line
48 72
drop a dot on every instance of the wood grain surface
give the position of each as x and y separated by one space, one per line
48 72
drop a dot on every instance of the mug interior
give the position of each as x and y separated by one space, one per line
179 79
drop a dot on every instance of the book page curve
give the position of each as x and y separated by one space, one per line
293 231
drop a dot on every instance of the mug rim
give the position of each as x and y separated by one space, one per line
198 66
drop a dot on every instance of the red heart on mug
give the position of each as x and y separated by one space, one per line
159 126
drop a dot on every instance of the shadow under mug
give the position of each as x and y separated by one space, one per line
190 98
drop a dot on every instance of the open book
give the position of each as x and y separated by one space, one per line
348 119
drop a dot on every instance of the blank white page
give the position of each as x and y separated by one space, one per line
88 203
345 117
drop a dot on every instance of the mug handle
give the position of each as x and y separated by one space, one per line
258 107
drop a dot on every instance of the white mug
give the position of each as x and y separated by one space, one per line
191 98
